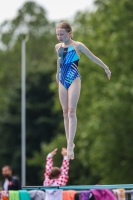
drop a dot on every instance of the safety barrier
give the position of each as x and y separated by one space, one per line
79 187
128 188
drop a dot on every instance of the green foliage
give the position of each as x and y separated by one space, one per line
42 120
106 122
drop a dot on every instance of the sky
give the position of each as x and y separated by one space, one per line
56 9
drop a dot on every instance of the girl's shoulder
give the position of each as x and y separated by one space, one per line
77 47
57 46
78 44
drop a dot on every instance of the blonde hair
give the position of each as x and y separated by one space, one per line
66 26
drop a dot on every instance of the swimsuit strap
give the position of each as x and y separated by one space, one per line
74 44
77 51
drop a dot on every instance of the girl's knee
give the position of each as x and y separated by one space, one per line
72 112
65 112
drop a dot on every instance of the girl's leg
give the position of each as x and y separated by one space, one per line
73 97
63 96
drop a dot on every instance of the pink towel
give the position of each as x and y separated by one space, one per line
103 194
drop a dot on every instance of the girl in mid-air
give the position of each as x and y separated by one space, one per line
69 80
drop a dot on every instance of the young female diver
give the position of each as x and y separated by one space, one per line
68 78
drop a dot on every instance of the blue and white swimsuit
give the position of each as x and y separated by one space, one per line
68 59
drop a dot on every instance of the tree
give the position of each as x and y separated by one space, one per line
107 118
42 120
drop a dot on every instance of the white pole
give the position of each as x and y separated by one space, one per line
23 113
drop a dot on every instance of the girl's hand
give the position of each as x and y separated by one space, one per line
108 72
109 75
64 151
54 152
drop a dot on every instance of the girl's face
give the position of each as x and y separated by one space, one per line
63 35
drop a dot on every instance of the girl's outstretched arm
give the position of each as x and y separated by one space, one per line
48 167
82 48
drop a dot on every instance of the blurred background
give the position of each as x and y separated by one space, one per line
104 137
